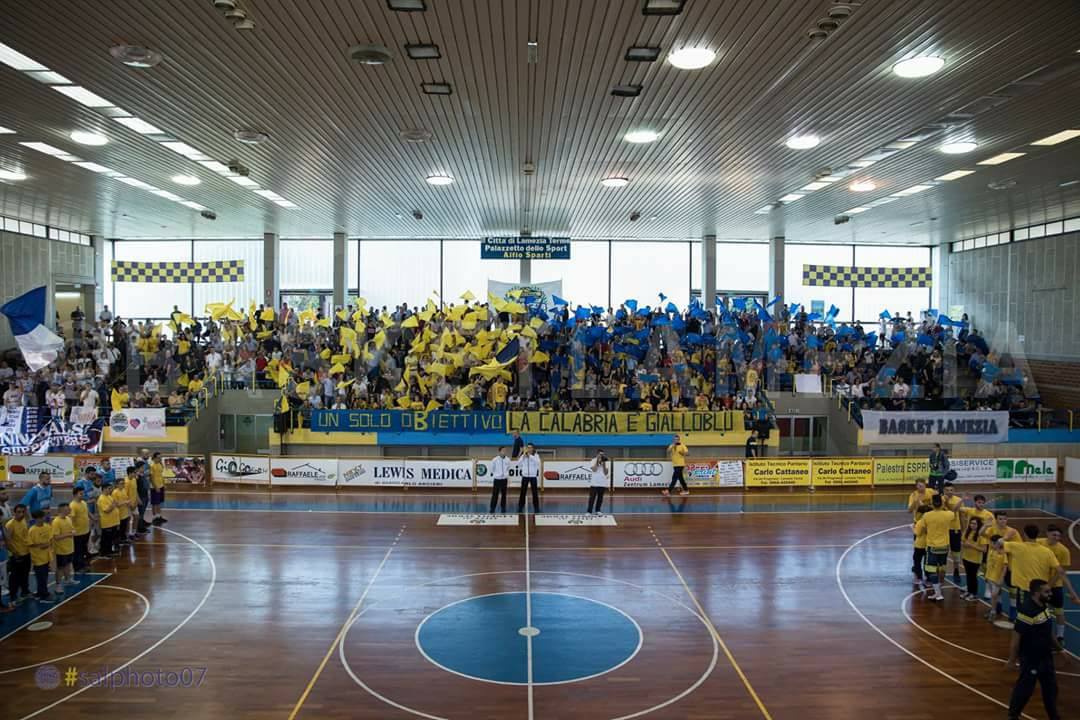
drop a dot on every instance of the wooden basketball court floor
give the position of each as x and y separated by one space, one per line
768 605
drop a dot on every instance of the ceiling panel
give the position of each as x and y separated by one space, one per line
336 152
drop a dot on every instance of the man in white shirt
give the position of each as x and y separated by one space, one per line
55 400
529 464
598 482
500 476
13 396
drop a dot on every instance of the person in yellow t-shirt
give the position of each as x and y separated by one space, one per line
1052 541
131 489
996 566
936 524
918 554
157 489
497 394
80 521
16 535
1029 561
919 496
953 503
677 452
39 537
63 546
123 508
973 548
109 519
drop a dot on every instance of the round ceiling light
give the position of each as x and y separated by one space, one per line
803 142
186 180
918 67
13 175
957 148
615 182
641 136
691 58
136 56
250 137
85 137
439 179
862 186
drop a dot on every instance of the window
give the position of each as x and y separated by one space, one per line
396 271
151 300
869 302
795 256
243 292
584 276
352 268
306 264
743 266
462 269
643 270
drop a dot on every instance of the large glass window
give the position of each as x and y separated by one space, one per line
352 256
643 270
584 276
464 270
795 256
307 264
869 302
742 266
151 300
397 271
242 292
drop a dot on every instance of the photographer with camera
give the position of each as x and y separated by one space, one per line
598 482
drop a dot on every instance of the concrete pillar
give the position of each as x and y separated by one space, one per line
776 267
341 269
708 272
525 274
271 270
92 311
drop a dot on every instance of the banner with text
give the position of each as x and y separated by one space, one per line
247 469
542 293
926 427
623 423
474 422
303 471
525 248
566 473
841 472
900 470
777 473
644 473
184 469
380 472
138 422
1027 470
25 470
55 436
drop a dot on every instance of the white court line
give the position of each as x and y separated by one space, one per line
1072 532
673 600
117 636
57 605
528 621
156 645
882 633
904 609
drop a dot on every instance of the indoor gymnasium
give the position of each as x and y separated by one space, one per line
538 359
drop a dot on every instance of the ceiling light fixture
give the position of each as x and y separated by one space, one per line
48 77
803 142
186 179
17 61
6 131
957 148
82 96
415 135
407 5
862 186
44 148
135 56
250 137
955 175
439 179
691 58
12 175
1001 158
186 150
918 67
243 181
140 126
912 190
94 167
856 210
639 137
662 7
615 182
792 197
816 185
86 137
423 51
436 88
639 53
626 90
1058 137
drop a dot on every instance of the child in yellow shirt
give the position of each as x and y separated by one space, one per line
996 563
63 546
39 539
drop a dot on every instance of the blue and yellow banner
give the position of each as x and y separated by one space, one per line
473 422
624 423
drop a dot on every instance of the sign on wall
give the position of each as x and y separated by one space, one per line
900 470
566 473
525 248
841 472
622 423
908 427
137 422
648 473
1029 470
249 469
405 473
213 271
474 422
303 471
777 473
24 470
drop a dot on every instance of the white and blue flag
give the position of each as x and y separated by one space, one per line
26 313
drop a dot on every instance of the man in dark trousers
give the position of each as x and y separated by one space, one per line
939 465
1033 645
500 476
529 464
751 444
519 445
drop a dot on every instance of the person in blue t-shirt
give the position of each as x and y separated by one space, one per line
4 607
108 475
39 497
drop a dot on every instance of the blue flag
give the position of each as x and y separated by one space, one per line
924 339
671 308
26 314
740 303
884 315
558 300
509 351
773 301
631 305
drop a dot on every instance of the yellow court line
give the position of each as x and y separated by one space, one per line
716 635
344 628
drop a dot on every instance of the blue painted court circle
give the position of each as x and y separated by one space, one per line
487 638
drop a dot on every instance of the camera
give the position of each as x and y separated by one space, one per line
209 214
418 215
237 168
635 216
841 219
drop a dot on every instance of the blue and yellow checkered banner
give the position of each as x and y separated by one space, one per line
867 277
214 271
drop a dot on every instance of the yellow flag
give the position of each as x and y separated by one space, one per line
482 313
116 400
342 359
282 376
469 322
342 315
410 322
183 380
264 334
325 354
324 323
515 293
463 398
308 316
267 314
528 332
513 307
432 405
283 404
379 339
437 369
496 302
303 389
184 319
337 368
457 312
404 402
539 357
358 316
252 323
400 387
535 323
467 296
345 384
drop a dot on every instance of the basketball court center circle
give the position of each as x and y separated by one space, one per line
486 638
